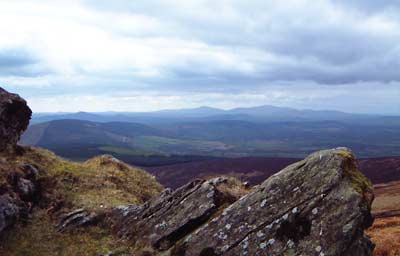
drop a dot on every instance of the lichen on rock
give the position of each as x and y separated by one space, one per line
318 206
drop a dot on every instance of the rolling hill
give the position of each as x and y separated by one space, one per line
218 138
262 114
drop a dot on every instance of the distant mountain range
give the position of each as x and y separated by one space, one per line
209 132
253 114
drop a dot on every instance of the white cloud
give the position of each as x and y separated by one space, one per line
202 49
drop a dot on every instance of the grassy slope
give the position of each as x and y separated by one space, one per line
98 183
385 232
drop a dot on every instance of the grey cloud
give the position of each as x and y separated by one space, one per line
321 50
370 6
323 43
19 62
15 58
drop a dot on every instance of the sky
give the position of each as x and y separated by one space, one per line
146 55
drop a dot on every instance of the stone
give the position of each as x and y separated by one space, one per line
77 218
318 206
14 118
163 221
9 212
332 184
26 189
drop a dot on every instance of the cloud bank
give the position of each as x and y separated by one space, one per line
147 55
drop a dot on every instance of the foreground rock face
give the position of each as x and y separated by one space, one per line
318 206
163 221
14 118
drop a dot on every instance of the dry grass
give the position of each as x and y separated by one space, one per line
385 232
40 238
233 187
94 185
98 183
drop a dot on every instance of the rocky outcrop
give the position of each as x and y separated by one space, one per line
318 206
163 221
14 118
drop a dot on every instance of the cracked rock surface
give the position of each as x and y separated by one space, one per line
318 206
167 219
77 218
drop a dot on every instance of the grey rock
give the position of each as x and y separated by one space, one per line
77 218
318 206
331 194
9 212
14 118
26 189
163 221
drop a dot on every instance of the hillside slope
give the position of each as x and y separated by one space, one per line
63 186
70 131
256 169
217 138
386 229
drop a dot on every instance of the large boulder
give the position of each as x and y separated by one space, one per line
14 118
163 221
318 206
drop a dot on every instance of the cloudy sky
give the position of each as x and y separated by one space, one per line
122 55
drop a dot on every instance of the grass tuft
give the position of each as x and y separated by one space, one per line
96 184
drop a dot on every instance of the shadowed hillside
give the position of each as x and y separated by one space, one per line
218 138
257 169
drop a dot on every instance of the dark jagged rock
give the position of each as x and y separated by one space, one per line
9 211
77 218
318 206
14 118
163 221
